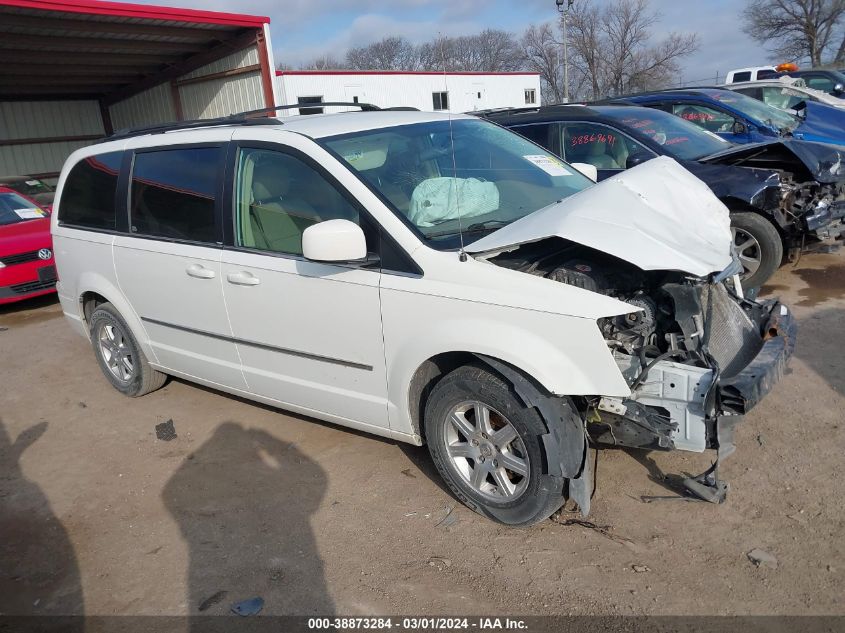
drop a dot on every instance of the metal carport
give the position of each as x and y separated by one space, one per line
72 72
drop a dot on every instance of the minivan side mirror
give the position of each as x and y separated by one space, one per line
334 241
838 89
739 128
590 171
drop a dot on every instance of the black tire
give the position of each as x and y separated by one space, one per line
141 379
768 249
538 498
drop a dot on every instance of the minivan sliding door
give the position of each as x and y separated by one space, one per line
168 265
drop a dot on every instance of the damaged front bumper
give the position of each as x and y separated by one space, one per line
740 393
677 405
825 223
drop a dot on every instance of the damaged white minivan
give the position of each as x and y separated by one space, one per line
430 278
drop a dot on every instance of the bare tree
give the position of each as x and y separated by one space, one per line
540 53
613 47
496 51
324 62
798 29
489 51
391 53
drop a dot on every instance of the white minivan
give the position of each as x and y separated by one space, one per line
427 277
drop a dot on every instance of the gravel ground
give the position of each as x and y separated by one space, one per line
100 517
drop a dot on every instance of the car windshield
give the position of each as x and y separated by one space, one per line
680 139
29 186
14 208
757 110
462 177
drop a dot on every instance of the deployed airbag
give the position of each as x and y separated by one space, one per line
437 200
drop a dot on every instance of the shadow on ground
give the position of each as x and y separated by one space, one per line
243 502
39 573
29 304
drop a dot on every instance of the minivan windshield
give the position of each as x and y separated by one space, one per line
15 208
680 139
461 177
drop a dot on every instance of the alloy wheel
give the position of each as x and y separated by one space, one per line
116 352
486 451
748 250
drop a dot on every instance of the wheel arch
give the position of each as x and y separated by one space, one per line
571 359
92 290
564 442
775 217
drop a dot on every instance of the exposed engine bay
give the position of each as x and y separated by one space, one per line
806 189
688 349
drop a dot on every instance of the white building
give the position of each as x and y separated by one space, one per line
427 91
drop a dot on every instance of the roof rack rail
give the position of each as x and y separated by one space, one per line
260 116
365 107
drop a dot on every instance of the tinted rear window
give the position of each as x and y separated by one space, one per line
89 192
173 193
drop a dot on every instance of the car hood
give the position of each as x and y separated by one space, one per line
656 216
822 121
825 163
22 237
45 198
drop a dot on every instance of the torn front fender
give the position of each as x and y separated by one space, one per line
566 440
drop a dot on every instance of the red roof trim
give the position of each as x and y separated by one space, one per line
147 11
281 73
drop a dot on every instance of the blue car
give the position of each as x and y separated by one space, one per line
741 119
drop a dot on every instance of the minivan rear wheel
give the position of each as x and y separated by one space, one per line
119 356
487 447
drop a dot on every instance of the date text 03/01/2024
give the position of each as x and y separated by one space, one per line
417 623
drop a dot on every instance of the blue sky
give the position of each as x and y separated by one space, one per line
304 29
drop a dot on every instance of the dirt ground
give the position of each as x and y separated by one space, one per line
100 517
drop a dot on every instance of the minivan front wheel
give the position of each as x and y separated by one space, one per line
119 356
487 447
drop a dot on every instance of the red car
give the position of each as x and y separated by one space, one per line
27 268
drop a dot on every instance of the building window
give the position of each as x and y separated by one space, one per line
530 96
310 100
441 100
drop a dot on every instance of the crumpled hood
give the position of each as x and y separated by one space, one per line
656 216
823 122
825 163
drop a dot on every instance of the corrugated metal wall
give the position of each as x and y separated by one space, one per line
151 106
44 119
241 59
201 99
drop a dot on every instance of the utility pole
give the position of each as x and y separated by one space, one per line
564 6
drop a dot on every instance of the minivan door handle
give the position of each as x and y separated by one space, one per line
200 272
243 278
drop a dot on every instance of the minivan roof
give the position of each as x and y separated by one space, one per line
311 125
